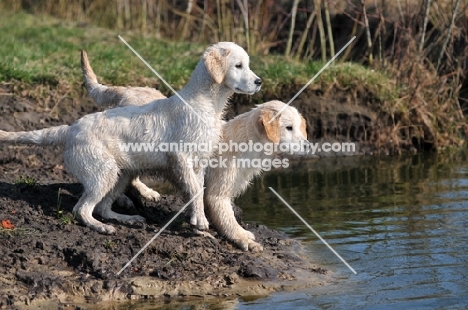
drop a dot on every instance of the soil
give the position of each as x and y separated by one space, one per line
50 261
336 115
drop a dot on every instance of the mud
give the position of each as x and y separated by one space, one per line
336 115
50 261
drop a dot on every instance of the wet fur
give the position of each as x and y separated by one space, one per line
222 184
92 150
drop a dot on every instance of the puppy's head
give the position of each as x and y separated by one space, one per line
288 127
228 65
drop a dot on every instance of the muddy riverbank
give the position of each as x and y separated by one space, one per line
50 260
48 256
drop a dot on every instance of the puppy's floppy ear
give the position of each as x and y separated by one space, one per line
271 130
216 63
303 126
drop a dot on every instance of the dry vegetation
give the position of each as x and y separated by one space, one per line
422 44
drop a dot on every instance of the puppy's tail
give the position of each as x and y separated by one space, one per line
104 96
48 136
90 78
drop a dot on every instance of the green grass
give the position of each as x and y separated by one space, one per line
28 181
65 219
45 50
41 49
277 70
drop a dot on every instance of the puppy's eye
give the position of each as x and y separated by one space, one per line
289 128
239 65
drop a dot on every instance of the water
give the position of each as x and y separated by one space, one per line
400 222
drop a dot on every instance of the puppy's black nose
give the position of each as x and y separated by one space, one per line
258 81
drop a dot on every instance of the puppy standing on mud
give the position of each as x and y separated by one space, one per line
223 183
92 144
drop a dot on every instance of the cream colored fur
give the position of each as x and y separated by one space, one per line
92 145
222 184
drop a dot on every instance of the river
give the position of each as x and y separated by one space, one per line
400 222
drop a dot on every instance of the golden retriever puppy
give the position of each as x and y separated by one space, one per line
232 167
93 150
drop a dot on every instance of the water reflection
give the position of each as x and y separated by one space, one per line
400 222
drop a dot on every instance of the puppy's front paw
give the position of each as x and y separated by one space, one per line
245 240
199 221
255 247
248 245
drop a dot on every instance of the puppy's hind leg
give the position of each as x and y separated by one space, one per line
99 174
84 210
104 208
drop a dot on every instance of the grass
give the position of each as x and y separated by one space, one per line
277 70
64 218
108 244
42 54
28 181
44 50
